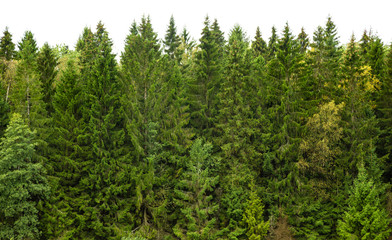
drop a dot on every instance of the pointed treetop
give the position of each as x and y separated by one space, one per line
172 40
134 31
218 35
303 40
7 47
28 39
259 46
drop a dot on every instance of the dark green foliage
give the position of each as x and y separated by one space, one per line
205 83
46 67
303 41
172 40
124 144
272 44
259 46
7 47
22 182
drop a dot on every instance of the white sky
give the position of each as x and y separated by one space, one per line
62 22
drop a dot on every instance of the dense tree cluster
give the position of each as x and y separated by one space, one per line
285 138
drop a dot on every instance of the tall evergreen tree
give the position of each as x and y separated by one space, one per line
361 131
108 160
365 217
22 183
384 113
204 84
259 46
7 47
272 44
28 37
27 94
7 54
303 41
194 198
46 66
172 40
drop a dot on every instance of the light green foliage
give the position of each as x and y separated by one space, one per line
253 219
194 197
320 149
22 183
365 217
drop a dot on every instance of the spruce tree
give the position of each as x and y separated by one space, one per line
28 39
172 40
22 182
46 67
107 161
303 41
361 132
259 46
272 44
7 54
365 217
7 47
384 113
27 94
194 197
204 84
67 163
253 219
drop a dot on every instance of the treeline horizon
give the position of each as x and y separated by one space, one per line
222 138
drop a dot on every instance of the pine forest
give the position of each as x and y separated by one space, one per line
224 137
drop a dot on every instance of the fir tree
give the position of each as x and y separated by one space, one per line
22 183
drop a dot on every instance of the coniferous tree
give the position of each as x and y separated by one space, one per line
365 217
27 95
384 113
194 197
204 84
22 182
28 37
361 131
46 66
172 40
67 162
303 41
108 160
259 46
7 52
256 227
272 44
